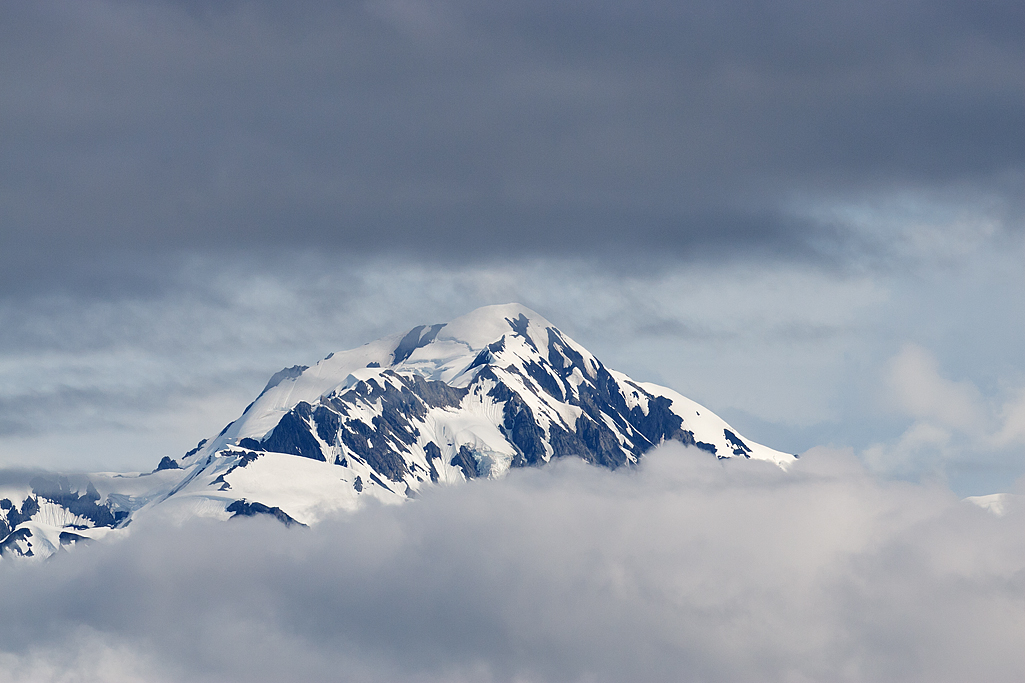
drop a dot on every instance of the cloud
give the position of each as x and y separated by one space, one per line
451 130
952 422
921 392
686 569
1012 416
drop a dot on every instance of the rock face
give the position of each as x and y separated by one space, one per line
53 513
496 389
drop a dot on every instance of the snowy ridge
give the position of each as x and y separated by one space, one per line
495 389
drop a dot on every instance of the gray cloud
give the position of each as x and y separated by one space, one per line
435 129
684 570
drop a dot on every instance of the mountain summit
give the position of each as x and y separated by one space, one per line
498 388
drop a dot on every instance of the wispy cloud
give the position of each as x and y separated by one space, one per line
953 423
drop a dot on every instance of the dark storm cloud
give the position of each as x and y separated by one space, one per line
684 570
487 129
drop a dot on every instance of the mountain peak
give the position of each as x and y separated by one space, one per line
496 389
487 324
473 332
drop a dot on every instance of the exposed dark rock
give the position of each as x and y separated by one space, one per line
566 443
465 461
53 487
403 399
413 341
57 489
328 422
303 410
68 538
434 393
521 428
241 508
364 441
395 423
602 445
545 380
559 352
358 485
431 334
281 375
251 444
292 435
407 344
432 451
244 458
519 326
661 423
9 545
29 508
377 480
710 447
198 446
487 354
739 447
604 397
166 463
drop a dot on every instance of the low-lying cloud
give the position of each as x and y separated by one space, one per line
684 569
952 421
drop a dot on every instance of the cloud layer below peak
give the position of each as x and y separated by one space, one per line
685 569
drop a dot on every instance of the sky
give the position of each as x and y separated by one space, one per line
807 216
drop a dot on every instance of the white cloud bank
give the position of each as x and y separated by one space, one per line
685 569
952 420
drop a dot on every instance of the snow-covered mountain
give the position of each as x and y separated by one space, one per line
495 389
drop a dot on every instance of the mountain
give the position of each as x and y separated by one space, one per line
498 388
